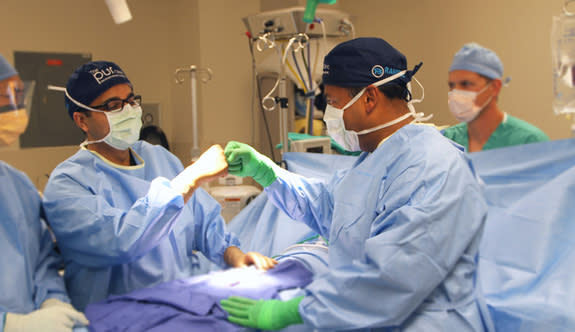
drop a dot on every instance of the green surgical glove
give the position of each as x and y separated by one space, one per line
243 160
262 314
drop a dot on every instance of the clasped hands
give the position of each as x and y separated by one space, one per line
210 165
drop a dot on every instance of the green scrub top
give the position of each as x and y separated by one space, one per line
511 131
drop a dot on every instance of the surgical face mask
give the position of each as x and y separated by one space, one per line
12 125
462 104
349 139
333 118
124 125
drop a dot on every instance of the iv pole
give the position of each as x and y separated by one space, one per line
283 101
193 73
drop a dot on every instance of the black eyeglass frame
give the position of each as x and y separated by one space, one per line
111 104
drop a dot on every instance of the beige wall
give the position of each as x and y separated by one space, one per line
223 47
432 31
165 35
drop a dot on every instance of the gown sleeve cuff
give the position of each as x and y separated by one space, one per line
162 193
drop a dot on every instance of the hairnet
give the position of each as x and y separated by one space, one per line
476 58
6 69
363 61
91 80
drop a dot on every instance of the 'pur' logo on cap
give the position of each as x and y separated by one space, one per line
102 75
377 71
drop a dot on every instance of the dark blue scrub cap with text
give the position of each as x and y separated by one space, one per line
363 61
90 80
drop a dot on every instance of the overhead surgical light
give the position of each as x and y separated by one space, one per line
119 10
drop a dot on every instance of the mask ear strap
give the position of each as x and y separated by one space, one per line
419 116
410 75
376 84
86 142
62 89
422 91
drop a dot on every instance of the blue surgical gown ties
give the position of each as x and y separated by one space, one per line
121 228
404 225
28 262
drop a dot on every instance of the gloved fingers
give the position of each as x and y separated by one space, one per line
268 263
238 148
236 311
232 169
234 164
210 165
230 305
56 317
231 146
236 161
76 316
233 157
211 162
241 321
260 261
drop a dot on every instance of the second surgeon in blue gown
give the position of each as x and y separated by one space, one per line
126 214
32 294
403 223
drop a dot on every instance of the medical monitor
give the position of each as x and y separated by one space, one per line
313 145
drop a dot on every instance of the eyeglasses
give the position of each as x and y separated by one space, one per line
117 104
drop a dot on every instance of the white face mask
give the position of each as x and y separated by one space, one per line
462 104
333 118
124 125
348 139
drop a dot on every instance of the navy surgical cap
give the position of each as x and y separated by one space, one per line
363 61
476 58
90 80
6 69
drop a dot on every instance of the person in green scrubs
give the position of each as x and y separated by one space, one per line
474 85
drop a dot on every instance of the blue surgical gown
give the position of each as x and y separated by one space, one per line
121 228
28 262
404 225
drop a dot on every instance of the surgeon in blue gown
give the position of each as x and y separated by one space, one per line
403 223
32 293
126 214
